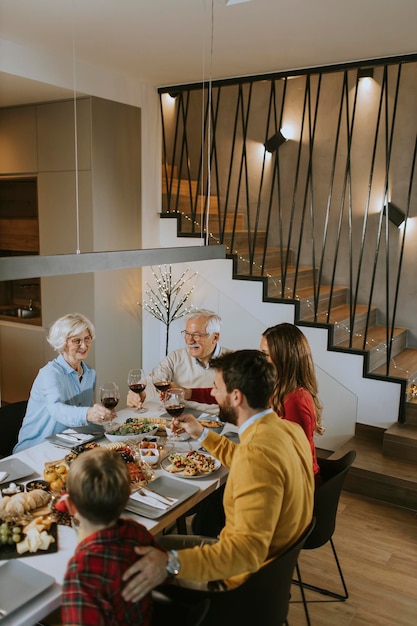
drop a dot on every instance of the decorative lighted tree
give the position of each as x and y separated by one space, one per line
167 301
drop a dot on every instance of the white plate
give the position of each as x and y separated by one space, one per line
166 463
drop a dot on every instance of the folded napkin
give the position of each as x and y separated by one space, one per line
153 499
73 435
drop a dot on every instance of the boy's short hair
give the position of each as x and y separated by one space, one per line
98 483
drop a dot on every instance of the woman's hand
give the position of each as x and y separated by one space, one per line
135 400
98 414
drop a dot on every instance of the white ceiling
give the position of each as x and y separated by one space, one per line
168 42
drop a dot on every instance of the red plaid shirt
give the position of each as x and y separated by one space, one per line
91 594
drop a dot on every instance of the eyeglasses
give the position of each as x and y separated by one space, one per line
193 336
76 341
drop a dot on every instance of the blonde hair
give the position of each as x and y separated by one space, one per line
98 483
290 352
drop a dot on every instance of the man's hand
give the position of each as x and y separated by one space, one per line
145 574
187 392
187 423
135 400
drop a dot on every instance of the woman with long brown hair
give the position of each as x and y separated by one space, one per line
295 395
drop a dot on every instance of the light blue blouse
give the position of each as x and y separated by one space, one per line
57 400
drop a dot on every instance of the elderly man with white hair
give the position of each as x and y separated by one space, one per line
189 367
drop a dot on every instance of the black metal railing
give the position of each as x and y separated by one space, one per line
313 216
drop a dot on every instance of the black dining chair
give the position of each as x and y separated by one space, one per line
11 418
326 501
262 599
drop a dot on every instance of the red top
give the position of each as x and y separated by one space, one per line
299 408
91 594
203 395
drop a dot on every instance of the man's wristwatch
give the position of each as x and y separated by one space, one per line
173 566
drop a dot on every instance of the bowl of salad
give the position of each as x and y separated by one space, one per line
131 429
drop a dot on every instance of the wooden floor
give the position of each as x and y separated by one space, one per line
377 548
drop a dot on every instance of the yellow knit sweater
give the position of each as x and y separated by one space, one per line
268 500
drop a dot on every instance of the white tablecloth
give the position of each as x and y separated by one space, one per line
55 564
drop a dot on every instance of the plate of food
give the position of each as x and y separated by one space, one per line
133 429
193 464
211 423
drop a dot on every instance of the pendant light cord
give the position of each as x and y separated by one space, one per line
74 82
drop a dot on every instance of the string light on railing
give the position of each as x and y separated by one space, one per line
277 282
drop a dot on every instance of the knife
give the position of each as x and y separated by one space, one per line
157 496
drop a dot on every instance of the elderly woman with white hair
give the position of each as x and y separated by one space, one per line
62 394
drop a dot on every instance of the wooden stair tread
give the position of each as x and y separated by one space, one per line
403 366
342 313
375 337
369 457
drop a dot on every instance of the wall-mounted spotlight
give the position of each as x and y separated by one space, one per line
173 94
365 72
395 215
274 142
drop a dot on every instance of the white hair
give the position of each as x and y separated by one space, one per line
214 321
66 327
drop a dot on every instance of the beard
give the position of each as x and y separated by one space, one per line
227 413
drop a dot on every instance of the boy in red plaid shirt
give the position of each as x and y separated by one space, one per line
99 486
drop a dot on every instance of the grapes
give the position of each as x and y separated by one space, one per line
9 534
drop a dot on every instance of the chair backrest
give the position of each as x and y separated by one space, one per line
326 498
11 418
263 598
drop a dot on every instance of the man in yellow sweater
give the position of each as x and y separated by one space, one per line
268 500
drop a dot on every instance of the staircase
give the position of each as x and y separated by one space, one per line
386 463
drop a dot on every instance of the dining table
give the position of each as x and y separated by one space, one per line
54 564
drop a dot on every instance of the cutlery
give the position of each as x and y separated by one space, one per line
153 502
68 437
153 494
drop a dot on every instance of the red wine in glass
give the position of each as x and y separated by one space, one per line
162 385
110 403
174 410
137 387
136 381
109 395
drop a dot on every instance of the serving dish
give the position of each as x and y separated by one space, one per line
133 430
211 423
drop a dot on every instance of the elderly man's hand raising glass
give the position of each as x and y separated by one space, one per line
187 423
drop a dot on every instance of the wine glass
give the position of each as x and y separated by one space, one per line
161 380
136 381
174 402
109 395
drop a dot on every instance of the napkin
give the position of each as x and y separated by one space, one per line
73 435
156 500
